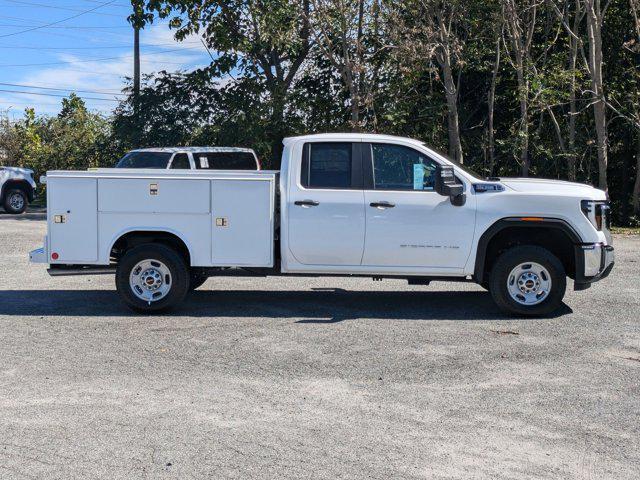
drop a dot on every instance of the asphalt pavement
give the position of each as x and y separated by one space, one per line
325 378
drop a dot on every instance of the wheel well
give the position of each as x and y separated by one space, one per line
133 239
19 184
553 239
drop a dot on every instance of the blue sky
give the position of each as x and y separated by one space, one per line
89 54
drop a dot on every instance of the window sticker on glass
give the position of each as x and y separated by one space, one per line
418 176
204 162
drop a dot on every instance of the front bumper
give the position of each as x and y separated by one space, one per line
594 261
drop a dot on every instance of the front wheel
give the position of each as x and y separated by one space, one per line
528 280
15 202
152 278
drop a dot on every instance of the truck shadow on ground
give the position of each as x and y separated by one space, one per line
32 216
314 306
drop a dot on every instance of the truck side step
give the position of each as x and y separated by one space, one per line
64 271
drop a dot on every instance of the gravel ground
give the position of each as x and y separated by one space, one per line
313 378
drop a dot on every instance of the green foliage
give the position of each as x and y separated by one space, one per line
75 139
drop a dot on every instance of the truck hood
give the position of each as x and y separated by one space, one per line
554 187
17 170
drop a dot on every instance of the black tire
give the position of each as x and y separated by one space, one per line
515 256
161 253
196 281
10 203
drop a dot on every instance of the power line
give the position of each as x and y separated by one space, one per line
124 5
97 47
90 60
68 27
59 21
22 19
41 87
21 92
68 9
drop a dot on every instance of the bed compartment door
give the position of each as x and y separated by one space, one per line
73 220
242 222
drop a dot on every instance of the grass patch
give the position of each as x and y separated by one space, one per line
626 230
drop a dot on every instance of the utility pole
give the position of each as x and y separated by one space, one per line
136 61
137 20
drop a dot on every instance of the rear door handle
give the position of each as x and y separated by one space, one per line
382 205
306 203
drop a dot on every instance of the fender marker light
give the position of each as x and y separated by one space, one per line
532 219
55 256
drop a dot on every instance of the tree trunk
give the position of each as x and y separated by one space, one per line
523 94
277 127
491 100
636 185
453 124
520 25
594 24
573 110
450 90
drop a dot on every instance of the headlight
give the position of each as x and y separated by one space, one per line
597 211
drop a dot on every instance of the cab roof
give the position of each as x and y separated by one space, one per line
351 136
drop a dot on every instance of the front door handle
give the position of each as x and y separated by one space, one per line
306 203
382 205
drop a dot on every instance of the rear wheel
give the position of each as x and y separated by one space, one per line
152 278
15 201
528 280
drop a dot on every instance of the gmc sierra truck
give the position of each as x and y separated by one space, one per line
341 205
17 189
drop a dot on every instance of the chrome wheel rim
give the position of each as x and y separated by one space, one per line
16 201
150 280
529 283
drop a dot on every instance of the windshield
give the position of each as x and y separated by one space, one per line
470 171
464 168
144 160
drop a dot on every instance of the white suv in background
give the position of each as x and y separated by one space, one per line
17 189
192 158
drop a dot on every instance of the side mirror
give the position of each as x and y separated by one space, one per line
447 185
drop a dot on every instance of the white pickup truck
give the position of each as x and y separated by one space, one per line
341 205
17 189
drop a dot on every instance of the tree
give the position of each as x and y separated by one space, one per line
75 139
594 12
432 30
520 23
595 19
491 97
345 32
268 40
634 46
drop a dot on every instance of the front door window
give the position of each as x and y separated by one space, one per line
396 167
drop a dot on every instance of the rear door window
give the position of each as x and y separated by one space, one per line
330 165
